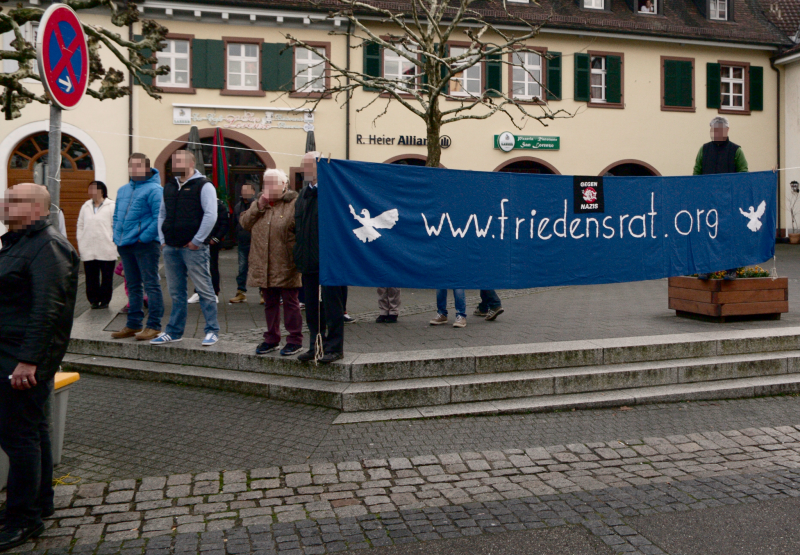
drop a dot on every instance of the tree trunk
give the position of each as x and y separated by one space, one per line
434 126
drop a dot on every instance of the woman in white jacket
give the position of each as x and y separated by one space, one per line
96 244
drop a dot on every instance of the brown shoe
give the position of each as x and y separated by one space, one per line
147 334
439 320
124 333
239 298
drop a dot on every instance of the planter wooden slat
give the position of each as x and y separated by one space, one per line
719 298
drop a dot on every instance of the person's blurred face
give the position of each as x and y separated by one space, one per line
273 188
248 192
19 208
309 168
181 163
137 168
93 191
719 132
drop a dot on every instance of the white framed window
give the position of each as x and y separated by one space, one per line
648 7
400 68
309 70
719 10
732 87
470 81
594 4
597 92
526 75
243 62
175 54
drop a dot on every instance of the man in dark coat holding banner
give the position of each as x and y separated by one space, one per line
328 315
38 283
721 155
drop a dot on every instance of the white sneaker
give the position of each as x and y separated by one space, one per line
194 299
210 339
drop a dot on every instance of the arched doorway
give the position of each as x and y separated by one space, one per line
409 160
527 164
77 171
247 159
631 168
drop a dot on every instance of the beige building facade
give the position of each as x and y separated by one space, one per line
646 110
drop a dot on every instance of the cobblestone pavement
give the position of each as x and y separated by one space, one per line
326 507
531 315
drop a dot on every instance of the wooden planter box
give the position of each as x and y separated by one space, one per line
719 299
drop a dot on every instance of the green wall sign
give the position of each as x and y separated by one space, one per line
508 142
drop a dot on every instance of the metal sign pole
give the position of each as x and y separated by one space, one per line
53 178
53 181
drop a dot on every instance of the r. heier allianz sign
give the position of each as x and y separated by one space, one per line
245 119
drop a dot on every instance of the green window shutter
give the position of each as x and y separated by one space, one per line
756 88
613 79
713 83
277 73
494 75
553 76
372 62
582 77
678 86
208 64
146 79
198 61
444 53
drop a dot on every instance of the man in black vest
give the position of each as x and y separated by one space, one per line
38 283
327 315
187 217
720 156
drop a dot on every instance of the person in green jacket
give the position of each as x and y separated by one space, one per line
720 156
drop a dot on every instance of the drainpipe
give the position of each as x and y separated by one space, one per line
130 100
778 142
347 101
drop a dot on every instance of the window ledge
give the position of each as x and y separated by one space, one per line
678 109
318 94
178 90
615 105
228 92
733 112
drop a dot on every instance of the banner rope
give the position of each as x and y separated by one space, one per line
319 349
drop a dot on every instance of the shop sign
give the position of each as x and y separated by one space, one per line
245 120
508 142
401 140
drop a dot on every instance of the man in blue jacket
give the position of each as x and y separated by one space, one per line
136 237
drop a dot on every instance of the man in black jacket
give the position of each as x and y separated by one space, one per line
38 283
248 193
329 314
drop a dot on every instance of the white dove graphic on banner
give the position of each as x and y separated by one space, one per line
754 216
367 231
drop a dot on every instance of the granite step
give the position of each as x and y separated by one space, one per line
472 361
721 389
455 390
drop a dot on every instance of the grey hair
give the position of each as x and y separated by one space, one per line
720 121
280 174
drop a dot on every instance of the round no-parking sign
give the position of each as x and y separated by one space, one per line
63 56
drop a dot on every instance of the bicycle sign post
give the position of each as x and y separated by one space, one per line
63 59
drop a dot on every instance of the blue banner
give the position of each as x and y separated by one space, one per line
384 225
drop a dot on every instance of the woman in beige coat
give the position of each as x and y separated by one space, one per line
271 224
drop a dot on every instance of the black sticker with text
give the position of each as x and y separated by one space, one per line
588 195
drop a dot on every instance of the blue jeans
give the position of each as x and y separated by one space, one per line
461 302
489 300
140 262
244 265
180 262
